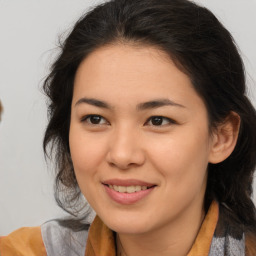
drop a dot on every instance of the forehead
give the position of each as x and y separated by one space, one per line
123 61
132 72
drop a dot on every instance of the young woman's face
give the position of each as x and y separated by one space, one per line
139 139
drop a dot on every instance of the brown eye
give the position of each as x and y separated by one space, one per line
159 121
94 120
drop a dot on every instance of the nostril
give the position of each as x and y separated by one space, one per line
125 164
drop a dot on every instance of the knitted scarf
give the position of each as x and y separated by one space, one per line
221 234
229 237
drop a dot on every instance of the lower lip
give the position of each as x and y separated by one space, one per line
127 198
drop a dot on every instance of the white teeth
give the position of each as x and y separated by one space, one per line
138 188
122 189
129 189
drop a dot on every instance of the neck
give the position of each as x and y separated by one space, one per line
174 239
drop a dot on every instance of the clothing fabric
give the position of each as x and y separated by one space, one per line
96 246
24 241
229 237
220 235
61 241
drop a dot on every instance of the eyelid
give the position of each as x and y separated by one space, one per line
86 117
170 121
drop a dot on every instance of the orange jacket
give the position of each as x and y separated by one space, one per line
49 239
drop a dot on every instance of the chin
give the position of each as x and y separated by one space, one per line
127 223
132 229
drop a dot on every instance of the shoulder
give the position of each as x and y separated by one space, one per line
60 240
24 241
234 234
51 239
250 243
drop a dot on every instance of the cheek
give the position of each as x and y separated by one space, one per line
182 158
86 153
86 156
183 167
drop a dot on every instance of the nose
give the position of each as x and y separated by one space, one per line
125 149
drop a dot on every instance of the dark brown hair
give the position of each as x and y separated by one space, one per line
201 47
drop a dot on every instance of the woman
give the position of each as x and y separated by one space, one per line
149 121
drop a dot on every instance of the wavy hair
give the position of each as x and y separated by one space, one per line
201 47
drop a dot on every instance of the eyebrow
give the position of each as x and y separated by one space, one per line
142 106
93 102
158 103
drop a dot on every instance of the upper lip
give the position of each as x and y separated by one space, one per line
128 182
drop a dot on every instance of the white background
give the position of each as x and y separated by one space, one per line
28 39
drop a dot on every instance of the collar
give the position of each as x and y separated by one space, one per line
101 240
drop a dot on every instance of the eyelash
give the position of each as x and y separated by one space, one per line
88 117
162 120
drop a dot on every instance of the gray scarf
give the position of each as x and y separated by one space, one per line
229 238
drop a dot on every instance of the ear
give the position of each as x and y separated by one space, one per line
224 138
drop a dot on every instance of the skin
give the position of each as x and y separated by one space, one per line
126 144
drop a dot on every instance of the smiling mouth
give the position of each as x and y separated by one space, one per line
128 189
127 192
